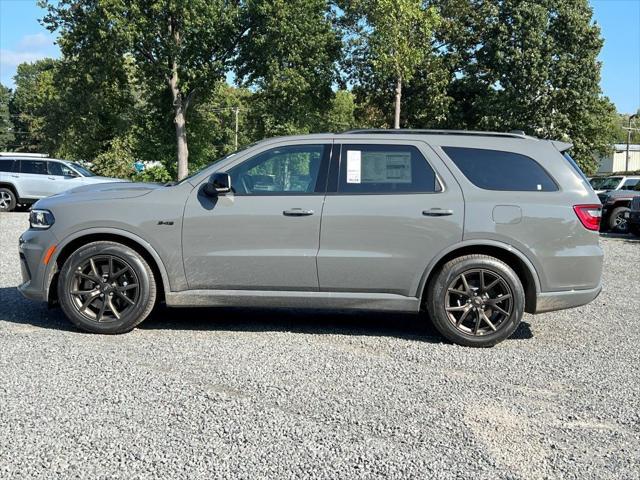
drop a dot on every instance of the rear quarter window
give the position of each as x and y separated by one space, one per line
499 170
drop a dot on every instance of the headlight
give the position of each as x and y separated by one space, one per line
41 219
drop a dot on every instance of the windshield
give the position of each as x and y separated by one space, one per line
215 161
84 171
605 183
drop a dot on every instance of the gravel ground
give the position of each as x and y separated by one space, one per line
284 394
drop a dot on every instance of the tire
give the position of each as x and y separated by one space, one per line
455 310
616 222
106 287
8 200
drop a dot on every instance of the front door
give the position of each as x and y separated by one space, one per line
387 214
62 177
265 234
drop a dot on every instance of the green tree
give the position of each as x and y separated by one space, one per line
6 125
388 40
289 58
33 107
531 66
180 45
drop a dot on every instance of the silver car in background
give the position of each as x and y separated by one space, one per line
473 228
26 178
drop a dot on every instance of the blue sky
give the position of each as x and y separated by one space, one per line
22 38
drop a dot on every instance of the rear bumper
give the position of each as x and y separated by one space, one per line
551 301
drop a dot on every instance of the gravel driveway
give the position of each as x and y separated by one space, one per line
281 394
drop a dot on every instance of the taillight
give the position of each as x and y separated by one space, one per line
589 215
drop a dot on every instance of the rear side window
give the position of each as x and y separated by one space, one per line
38 167
6 165
385 169
498 170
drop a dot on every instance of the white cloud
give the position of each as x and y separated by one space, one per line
12 58
36 41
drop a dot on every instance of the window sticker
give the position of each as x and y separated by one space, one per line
386 167
354 166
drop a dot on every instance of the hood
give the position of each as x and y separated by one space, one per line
111 190
100 179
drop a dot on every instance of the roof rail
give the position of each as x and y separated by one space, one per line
23 154
411 131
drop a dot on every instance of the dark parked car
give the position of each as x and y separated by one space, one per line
616 206
634 216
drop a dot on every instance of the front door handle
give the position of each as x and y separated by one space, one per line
437 212
297 212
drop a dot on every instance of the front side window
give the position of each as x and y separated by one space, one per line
38 167
61 170
630 184
289 170
380 169
498 170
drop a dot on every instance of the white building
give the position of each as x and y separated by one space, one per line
617 161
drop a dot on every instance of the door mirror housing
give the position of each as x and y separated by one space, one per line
218 183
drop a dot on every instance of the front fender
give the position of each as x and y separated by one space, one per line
52 266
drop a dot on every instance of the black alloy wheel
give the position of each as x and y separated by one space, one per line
106 287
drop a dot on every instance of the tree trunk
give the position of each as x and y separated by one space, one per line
180 110
396 123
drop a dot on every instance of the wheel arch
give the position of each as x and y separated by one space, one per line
73 242
521 265
11 187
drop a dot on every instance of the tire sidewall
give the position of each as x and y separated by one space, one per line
13 201
436 302
133 316
612 218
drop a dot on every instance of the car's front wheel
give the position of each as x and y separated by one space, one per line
476 301
106 287
8 200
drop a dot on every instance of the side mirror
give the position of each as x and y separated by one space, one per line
217 184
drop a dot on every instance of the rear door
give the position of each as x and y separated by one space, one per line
391 207
34 179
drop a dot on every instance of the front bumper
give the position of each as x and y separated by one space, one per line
552 301
35 274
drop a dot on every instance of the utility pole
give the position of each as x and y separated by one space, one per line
237 109
626 167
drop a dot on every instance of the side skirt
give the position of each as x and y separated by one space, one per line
284 299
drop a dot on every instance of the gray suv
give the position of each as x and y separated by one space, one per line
472 228
25 178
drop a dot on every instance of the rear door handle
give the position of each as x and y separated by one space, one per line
437 212
297 212
51 178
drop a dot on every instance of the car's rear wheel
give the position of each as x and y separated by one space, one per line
476 301
106 287
618 223
8 200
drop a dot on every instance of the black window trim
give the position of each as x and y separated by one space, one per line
45 160
336 164
321 181
551 177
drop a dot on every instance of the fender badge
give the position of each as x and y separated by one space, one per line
163 222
